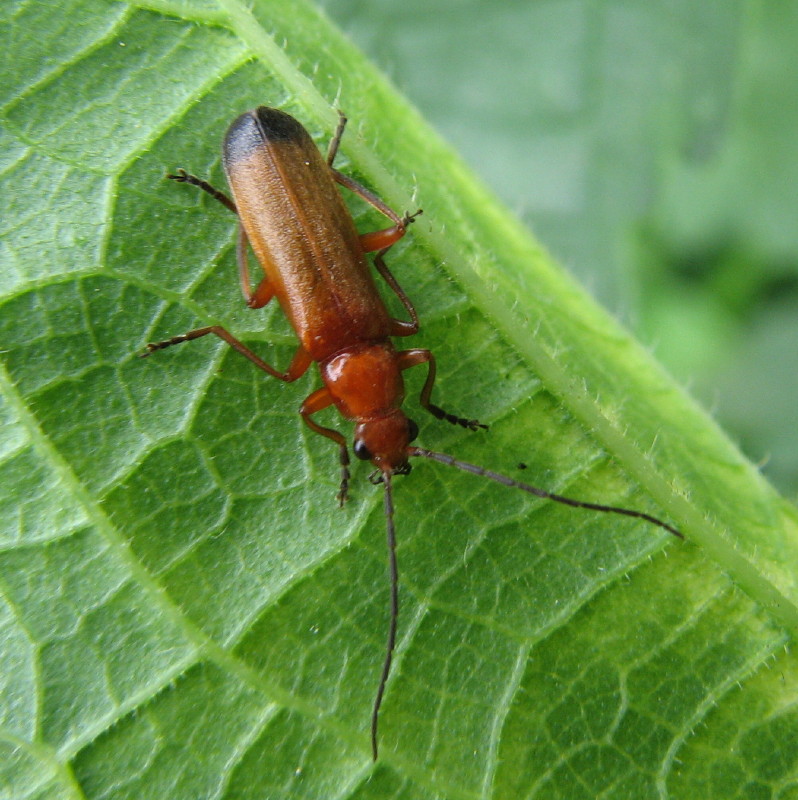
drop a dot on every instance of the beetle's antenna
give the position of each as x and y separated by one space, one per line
525 487
386 667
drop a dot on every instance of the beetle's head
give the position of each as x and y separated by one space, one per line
384 440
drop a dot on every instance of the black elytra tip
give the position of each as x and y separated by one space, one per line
251 130
278 126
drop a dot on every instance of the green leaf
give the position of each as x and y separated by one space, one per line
184 611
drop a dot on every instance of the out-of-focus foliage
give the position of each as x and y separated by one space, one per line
652 148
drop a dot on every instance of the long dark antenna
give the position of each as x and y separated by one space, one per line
386 667
525 487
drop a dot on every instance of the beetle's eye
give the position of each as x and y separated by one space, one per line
361 451
412 431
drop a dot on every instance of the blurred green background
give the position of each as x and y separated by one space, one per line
651 146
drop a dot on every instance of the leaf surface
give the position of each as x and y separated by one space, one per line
186 614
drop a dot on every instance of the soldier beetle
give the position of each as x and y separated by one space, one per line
292 215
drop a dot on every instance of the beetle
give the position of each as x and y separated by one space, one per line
293 216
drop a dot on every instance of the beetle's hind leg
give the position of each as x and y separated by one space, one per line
335 142
186 177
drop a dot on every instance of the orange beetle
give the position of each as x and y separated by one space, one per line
292 215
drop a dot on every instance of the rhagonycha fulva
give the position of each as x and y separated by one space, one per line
293 216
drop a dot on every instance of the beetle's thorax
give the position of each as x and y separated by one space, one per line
364 381
366 385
